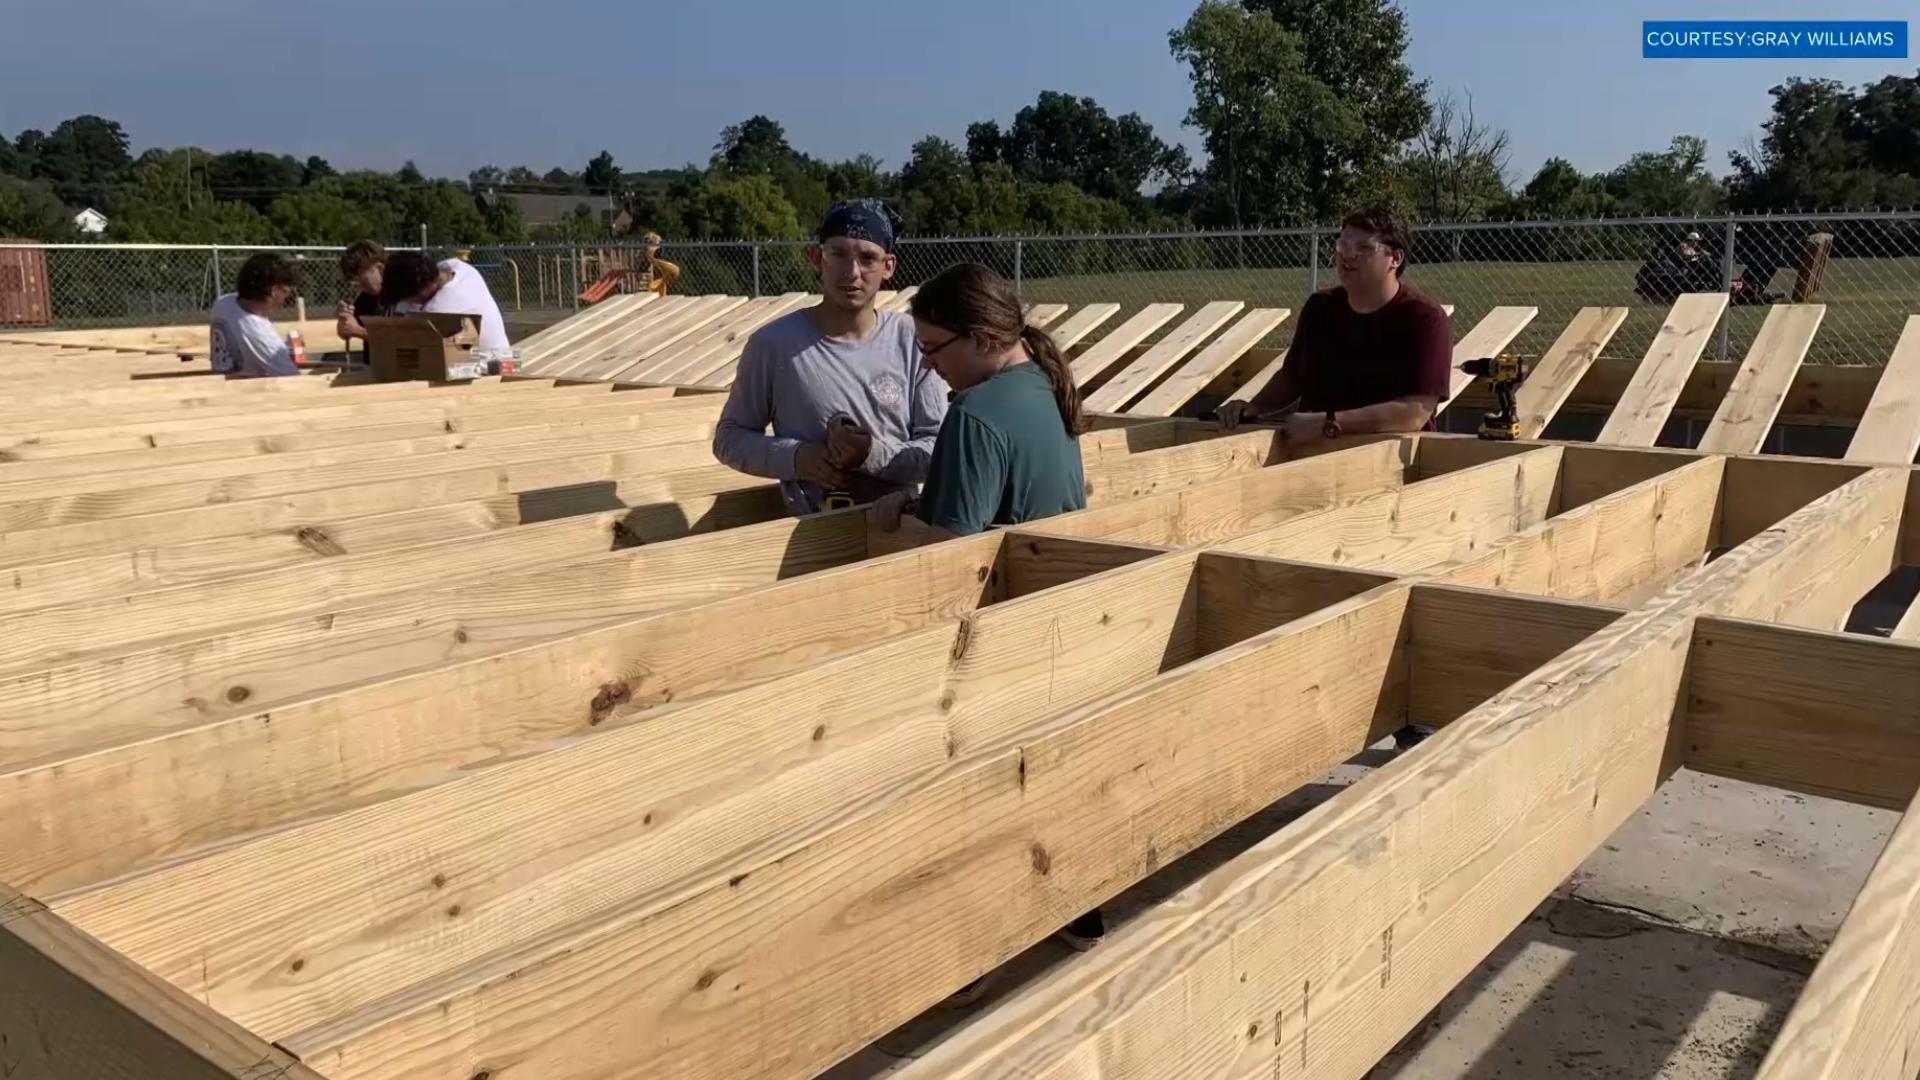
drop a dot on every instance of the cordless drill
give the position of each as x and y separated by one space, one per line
1506 372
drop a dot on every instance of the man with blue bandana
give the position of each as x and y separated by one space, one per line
852 409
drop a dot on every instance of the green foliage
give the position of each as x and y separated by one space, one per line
29 210
1829 146
1671 181
168 200
601 172
1264 117
740 208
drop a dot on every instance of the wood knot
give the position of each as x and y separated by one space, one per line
238 694
962 638
706 979
819 732
984 573
460 636
439 881
1042 861
946 701
611 696
297 966
453 912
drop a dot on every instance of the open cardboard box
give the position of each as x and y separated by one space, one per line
434 347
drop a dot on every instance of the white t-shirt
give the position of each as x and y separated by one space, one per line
467 294
242 343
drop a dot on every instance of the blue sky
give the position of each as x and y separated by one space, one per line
486 81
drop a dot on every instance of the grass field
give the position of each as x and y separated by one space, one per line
1868 300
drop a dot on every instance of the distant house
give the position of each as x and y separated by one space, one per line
543 208
90 221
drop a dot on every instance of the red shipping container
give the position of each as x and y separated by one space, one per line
26 299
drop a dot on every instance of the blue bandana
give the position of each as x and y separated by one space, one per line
862 219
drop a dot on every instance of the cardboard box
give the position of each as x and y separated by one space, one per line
437 348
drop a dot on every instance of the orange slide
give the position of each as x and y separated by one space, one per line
598 291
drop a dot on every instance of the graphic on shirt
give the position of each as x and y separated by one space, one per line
888 390
222 357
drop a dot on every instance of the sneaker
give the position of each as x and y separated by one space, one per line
968 994
1086 931
1411 736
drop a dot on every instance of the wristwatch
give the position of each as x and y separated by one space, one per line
1331 429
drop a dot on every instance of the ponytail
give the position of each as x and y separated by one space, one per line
968 298
1045 352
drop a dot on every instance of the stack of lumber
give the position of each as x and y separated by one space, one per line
494 730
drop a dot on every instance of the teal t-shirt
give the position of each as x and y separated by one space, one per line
1003 457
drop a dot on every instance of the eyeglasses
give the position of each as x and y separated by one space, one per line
929 351
867 261
1368 246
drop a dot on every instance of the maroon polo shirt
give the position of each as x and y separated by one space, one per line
1341 359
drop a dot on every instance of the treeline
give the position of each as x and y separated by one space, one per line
1305 108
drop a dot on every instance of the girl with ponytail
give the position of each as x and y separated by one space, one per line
1008 449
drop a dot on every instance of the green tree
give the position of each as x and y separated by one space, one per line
558 175
29 210
486 175
410 174
1263 116
601 173
741 208
520 174
323 214
756 146
83 159
1558 190
1062 139
1356 50
9 158
1827 147
1671 181
169 200
315 170
253 177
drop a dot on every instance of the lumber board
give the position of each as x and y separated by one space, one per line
612 362
1243 596
1908 628
1420 523
1492 334
1210 512
1643 407
628 410
65 482
230 408
1746 414
560 354
1193 376
1824 714
1563 365
1112 348
1615 549
899 301
1858 1016
1080 324
1889 429
1119 391
1044 315
657 365
299 509
1111 631
709 353
1466 646
669 311
858 896
71 1007
307 755
174 431
544 343
1313 932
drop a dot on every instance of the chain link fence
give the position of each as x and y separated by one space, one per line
1871 283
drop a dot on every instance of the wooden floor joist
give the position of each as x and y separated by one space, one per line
531 741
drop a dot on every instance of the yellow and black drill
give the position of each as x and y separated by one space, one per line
1506 372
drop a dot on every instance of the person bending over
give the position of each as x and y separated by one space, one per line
412 282
361 266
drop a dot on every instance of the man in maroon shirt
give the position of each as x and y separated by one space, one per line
1370 355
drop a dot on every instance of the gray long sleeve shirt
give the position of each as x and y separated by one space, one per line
793 378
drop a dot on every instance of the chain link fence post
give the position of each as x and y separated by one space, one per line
756 269
217 279
1726 279
1313 261
573 263
1019 251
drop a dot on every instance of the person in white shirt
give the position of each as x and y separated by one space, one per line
412 282
241 339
